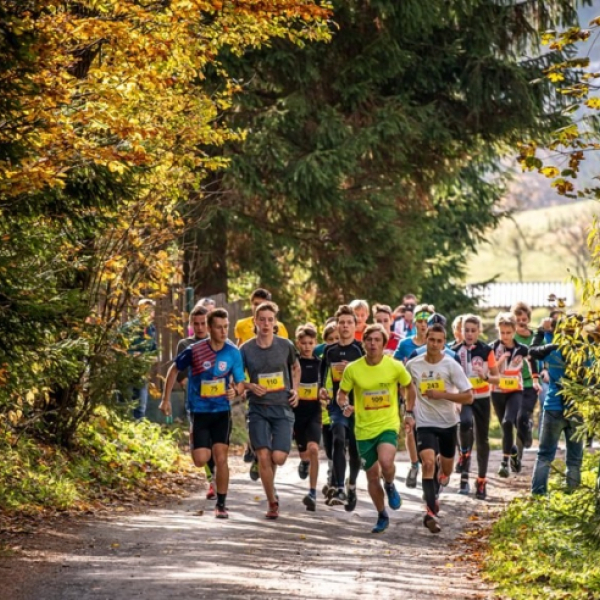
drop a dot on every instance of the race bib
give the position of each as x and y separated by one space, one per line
272 382
509 383
337 371
376 399
478 382
308 391
212 388
432 384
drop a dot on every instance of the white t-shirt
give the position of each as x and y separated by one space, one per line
446 375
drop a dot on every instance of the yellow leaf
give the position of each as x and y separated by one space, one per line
550 172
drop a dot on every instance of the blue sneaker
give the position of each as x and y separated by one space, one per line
394 499
382 524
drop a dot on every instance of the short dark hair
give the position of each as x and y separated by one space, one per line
345 309
260 293
435 328
198 310
329 329
267 305
307 330
384 308
217 313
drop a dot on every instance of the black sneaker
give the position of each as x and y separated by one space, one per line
515 463
310 503
337 498
254 472
431 522
303 469
350 499
249 455
503 469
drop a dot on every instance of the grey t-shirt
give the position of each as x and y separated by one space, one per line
270 367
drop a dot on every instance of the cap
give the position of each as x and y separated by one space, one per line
436 318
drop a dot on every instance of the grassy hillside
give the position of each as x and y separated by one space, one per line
549 242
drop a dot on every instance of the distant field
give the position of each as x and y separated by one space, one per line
552 234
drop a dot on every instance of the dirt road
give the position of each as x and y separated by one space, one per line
329 554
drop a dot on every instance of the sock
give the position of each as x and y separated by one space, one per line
351 486
312 492
429 490
383 514
221 499
415 465
388 484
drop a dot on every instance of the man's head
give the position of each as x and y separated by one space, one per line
218 325
257 297
346 320
207 302
383 315
306 339
421 317
198 322
522 314
146 308
436 339
506 325
265 317
375 339
457 328
331 334
409 300
361 310
471 328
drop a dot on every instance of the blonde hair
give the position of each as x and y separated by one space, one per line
359 304
471 319
373 328
506 318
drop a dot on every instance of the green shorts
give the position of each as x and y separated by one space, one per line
368 448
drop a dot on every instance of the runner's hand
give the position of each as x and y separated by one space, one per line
258 390
348 410
231 392
409 423
323 395
435 395
294 400
165 407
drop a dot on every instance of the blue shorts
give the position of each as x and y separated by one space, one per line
337 416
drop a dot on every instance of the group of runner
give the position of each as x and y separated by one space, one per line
352 392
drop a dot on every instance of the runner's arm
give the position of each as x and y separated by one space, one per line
165 405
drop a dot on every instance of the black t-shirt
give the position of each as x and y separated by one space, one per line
333 356
308 390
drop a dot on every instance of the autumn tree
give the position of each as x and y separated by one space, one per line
106 124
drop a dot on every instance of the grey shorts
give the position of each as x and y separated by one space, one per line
271 427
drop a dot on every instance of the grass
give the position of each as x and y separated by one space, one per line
544 548
547 260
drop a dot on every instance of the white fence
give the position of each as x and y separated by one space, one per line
504 295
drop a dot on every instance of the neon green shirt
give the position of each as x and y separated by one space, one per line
375 395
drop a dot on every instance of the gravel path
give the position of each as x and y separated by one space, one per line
329 554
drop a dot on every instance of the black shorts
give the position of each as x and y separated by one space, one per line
307 428
442 440
210 428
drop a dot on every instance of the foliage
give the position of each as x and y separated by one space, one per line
370 168
538 550
105 125
110 459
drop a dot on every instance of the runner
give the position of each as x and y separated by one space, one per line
382 314
330 336
199 328
507 395
361 310
531 385
245 328
335 359
374 380
479 364
437 378
274 374
212 364
307 424
244 331
457 327
405 349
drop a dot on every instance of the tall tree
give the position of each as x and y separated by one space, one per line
370 167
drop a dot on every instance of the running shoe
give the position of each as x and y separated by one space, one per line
351 499
325 490
254 472
249 455
382 524
443 481
481 492
515 462
394 499
310 503
211 493
273 512
431 522
411 477
337 498
303 468
503 469
459 464
464 488
221 512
